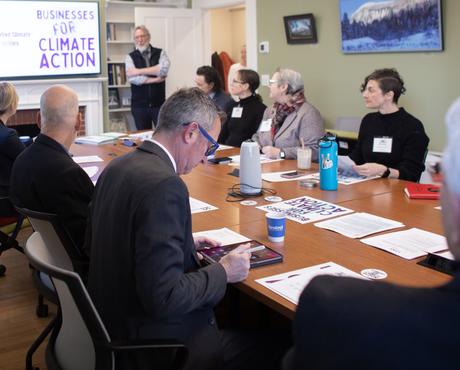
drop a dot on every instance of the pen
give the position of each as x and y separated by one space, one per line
255 249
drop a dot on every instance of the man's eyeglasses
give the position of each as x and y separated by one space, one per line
213 145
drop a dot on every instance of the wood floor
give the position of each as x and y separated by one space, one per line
19 325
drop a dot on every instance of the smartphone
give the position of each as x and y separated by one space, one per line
292 175
220 160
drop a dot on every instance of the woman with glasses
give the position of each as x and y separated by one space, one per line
290 120
244 116
391 142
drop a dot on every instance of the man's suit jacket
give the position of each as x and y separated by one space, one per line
222 100
304 123
145 278
46 179
344 323
10 147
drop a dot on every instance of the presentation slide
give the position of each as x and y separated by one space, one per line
48 38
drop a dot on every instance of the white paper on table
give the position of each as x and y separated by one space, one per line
87 159
91 170
115 135
306 209
409 244
291 284
347 179
223 147
197 206
147 135
224 236
263 159
359 225
276 176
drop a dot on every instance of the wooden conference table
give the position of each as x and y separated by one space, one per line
305 245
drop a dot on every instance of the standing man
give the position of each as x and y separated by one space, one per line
44 177
146 69
145 275
344 323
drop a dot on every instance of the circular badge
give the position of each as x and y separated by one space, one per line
273 198
248 202
309 183
374 274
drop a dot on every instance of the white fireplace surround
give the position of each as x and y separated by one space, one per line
89 91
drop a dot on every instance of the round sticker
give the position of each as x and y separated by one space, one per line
273 198
374 274
248 202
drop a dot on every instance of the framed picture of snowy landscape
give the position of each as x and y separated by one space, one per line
380 26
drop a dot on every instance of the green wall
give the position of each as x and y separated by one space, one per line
332 79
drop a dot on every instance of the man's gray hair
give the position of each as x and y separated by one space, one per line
143 29
58 107
290 77
184 106
451 157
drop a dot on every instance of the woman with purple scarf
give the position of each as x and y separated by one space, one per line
290 119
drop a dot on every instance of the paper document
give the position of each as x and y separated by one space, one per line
358 225
197 206
223 147
291 284
91 170
447 254
263 159
408 244
306 209
224 236
347 179
87 159
276 176
147 135
94 140
114 135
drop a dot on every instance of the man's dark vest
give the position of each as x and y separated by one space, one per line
148 95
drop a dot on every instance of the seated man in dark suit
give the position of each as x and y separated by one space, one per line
44 177
145 276
344 323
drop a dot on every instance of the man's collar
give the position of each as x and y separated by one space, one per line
171 158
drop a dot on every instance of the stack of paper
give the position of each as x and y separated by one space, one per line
358 225
94 140
291 284
409 244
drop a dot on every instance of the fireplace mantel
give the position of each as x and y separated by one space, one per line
89 91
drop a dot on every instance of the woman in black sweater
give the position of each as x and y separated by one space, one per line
391 142
244 116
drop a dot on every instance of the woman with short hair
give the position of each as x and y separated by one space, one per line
391 142
290 120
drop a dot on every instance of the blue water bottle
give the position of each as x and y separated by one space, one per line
328 158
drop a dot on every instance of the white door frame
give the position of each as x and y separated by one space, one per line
251 26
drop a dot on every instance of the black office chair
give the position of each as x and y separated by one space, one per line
80 340
12 221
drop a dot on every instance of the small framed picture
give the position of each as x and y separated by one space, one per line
300 29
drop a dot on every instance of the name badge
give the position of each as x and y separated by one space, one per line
266 125
382 144
237 112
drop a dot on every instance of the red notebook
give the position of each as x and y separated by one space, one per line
422 191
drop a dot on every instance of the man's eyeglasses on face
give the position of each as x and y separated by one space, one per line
213 145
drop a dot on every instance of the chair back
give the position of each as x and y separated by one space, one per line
351 124
64 252
81 328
